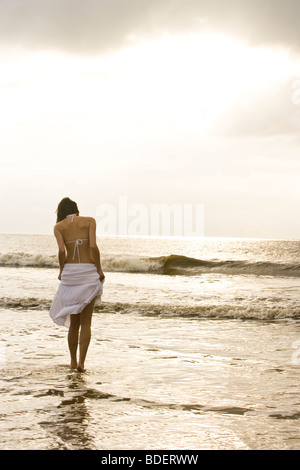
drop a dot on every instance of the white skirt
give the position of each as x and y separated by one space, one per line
79 285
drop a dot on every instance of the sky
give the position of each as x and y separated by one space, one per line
161 102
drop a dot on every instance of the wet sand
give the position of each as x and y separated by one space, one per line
150 383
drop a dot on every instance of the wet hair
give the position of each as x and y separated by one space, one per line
66 207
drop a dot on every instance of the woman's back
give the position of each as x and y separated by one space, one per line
75 231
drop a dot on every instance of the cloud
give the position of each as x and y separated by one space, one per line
89 26
269 113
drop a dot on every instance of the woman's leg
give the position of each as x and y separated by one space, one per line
85 333
73 339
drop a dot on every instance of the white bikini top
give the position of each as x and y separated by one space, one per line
77 242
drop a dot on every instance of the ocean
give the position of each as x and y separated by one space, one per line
196 345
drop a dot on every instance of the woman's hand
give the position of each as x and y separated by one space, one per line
59 277
101 275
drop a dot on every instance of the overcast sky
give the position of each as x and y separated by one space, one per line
161 101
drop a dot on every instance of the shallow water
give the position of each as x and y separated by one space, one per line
193 352
150 383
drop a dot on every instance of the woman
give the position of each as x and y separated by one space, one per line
81 277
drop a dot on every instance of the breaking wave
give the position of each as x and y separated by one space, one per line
27 259
262 311
169 265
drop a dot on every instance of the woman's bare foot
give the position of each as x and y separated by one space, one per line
73 365
80 368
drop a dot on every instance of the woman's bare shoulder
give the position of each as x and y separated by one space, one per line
57 230
58 225
88 219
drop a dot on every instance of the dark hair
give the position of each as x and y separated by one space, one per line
66 207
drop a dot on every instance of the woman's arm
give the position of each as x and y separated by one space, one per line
61 251
94 249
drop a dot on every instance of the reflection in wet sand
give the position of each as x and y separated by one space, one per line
70 422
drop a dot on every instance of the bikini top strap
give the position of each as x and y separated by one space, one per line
78 241
72 215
